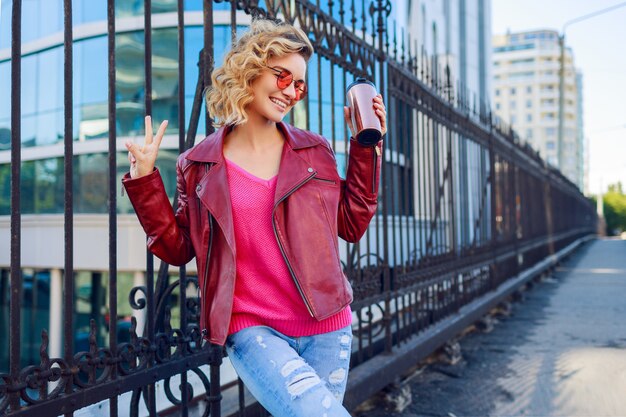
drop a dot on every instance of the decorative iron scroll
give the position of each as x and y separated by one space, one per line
47 381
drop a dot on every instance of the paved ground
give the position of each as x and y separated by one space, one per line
561 352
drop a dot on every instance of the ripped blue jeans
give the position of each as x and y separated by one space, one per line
293 376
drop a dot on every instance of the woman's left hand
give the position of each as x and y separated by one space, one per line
381 112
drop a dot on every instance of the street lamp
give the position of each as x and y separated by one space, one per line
562 74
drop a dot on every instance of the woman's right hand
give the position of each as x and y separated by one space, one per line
143 158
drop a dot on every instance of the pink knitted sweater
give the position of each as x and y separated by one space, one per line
265 293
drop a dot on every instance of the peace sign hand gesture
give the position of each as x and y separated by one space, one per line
142 158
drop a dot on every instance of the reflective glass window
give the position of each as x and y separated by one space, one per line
5 105
29 85
129 74
29 130
90 183
47 129
227 6
5 24
94 68
311 99
49 196
5 134
165 77
193 5
164 6
50 13
125 8
5 189
27 187
196 5
327 110
5 90
90 304
90 89
34 310
30 20
42 186
93 121
50 80
193 44
339 97
85 11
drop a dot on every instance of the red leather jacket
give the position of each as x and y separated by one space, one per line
313 206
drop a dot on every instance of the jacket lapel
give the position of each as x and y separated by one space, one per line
212 189
294 170
213 192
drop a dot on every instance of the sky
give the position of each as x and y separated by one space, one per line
597 44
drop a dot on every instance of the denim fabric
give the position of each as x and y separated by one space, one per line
293 376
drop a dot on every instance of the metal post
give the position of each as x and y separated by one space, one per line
112 195
68 223
16 231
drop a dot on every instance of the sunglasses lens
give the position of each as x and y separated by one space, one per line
284 79
300 89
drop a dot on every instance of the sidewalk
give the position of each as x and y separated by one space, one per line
562 351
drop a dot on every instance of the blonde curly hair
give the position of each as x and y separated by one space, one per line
230 91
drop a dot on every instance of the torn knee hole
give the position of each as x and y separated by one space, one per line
302 382
291 366
337 376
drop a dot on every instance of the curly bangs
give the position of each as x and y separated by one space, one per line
230 91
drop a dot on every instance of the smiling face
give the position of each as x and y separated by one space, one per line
271 103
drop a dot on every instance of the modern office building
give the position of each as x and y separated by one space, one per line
457 33
526 95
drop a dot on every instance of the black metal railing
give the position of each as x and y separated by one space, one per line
463 208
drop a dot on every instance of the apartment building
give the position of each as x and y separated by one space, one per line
526 95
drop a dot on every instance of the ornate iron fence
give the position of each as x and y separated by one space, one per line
463 207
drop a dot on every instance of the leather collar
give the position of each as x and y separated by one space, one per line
210 149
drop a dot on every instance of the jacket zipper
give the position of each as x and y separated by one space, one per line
208 253
325 180
376 154
282 250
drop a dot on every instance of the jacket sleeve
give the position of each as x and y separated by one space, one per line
167 232
359 191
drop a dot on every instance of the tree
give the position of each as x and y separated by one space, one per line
615 209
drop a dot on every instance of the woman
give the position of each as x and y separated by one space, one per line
260 206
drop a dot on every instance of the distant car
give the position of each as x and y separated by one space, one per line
623 235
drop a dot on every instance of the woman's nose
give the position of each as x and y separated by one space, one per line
290 90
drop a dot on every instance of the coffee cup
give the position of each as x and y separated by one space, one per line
360 98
